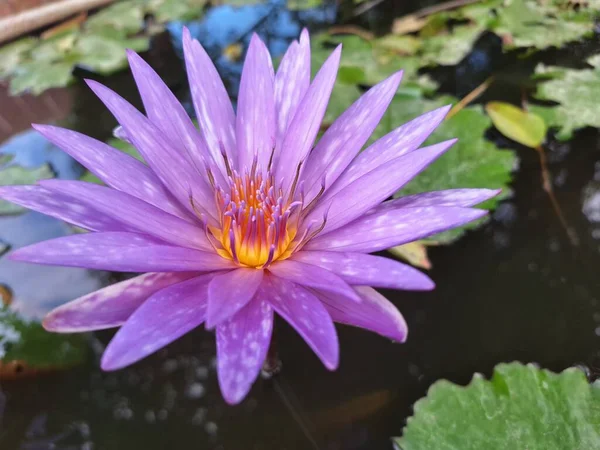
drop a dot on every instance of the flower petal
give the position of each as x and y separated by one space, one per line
312 276
305 125
134 213
60 206
119 252
114 167
374 187
229 292
242 345
166 316
347 135
255 125
303 311
374 313
368 270
211 102
451 197
401 141
110 307
382 229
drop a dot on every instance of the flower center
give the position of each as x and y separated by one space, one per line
257 223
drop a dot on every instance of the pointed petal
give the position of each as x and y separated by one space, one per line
113 167
134 213
374 187
164 317
110 307
60 206
401 141
383 229
119 252
313 276
306 123
242 345
211 101
451 197
375 313
368 270
230 292
303 311
346 136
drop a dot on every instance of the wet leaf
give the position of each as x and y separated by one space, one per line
414 252
26 348
521 126
19 175
125 18
12 55
539 409
450 48
104 55
166 10
576 91
36 77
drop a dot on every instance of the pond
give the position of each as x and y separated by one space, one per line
514 289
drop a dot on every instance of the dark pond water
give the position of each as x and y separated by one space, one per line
513 290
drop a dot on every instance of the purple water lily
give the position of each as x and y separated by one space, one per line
243 218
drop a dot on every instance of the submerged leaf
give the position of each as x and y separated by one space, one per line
520 407
524 127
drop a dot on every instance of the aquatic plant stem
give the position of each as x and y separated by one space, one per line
471 96
547 186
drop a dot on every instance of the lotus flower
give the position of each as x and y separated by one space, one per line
245 217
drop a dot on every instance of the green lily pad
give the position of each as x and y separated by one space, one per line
104 55
450 48
125 18
165 10
19 175
27 347
521 407
36 77
524 127
576 92
12 55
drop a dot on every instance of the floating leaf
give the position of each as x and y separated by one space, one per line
26 348
449 49
414 252
524 127
35 78
125 18
12 55
576 91
166 10
19 175
521 407
105 55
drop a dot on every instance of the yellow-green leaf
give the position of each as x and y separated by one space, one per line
521 126
414 252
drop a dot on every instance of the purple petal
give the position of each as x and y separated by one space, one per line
173 168
163 318
368 270
169 116
347 135
114 167
312 276
133 212
211 101
255 126
383 229
451 197
242 345
291 83
110 307
230 292
303 311
374 313
306 122
401 141
374 187
61 206
119 252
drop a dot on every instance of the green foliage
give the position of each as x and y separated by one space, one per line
524 127
521 407
14 174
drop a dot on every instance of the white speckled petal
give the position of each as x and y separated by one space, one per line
380 230
303 311
368 270
119 252
313 276
134 213
211 101
374 187
164 317
230 292
401 141
110 307
242 345
116 168
451 197
63 207
375 313
255 124
347 135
